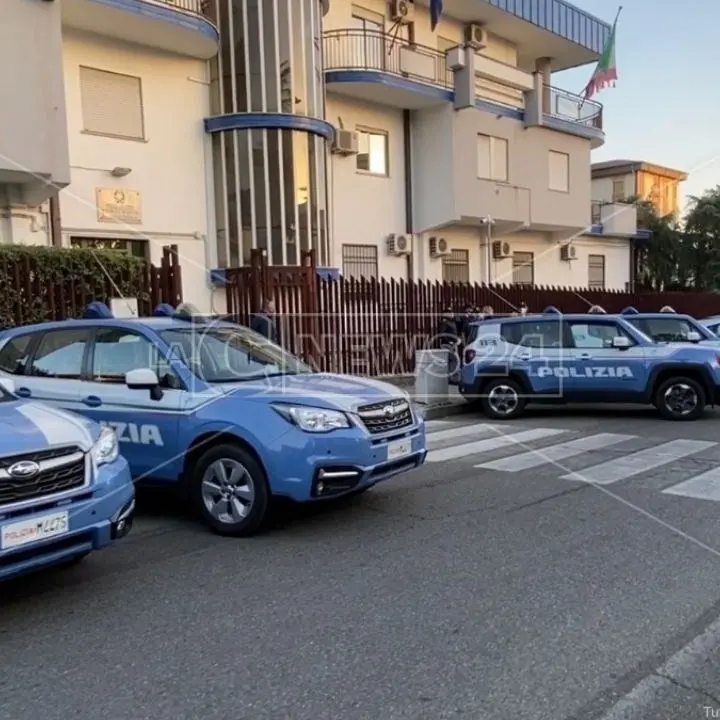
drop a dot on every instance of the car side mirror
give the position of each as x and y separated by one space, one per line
693 336
144 379
620 342
8 384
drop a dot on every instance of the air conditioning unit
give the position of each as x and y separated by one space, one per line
568 253
439 247
401 11
501 250
476 36
345 142
399 245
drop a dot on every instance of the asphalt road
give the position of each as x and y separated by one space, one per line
536 586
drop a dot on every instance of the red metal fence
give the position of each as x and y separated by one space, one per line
374 327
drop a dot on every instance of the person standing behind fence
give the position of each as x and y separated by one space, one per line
265 322
448 338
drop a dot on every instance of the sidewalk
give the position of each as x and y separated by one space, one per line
454 405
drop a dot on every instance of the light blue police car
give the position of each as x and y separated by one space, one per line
64 489
216 409
554 358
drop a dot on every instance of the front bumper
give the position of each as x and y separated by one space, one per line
307 467
96 517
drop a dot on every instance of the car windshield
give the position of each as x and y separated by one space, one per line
231 354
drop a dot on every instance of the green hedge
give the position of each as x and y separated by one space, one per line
45 283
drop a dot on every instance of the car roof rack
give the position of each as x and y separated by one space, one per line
97 311
630 310
667 309
597 310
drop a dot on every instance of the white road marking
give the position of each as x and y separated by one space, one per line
705 486
481 446
555 453
461 432
625 467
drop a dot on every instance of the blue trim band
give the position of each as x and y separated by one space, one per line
378 77
269 121
166 13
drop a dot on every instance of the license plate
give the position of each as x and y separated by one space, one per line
30 531
399 449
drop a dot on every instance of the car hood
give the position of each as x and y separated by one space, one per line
29 426
337 392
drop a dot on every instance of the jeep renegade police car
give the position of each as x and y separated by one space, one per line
64 489
217 409
558 358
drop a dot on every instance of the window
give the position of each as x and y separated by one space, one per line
367 40
492 158
535 334
559 171
60 354
360 261
456 267
596 272
668 329
117 351
136 248
596 335
112 104
523 272
372 154
618 190
14 355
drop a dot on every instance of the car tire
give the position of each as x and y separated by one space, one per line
230 491
680 398
502 399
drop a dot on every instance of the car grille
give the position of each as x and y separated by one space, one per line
386 416
61 469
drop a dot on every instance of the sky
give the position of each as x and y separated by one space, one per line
665 106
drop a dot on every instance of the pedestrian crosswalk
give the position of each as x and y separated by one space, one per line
610 457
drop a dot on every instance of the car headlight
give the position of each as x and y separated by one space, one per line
312 419
106 450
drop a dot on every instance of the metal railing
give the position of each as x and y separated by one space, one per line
204 8
573 108
382 52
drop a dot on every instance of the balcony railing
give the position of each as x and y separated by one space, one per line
383 52
573 108
203 8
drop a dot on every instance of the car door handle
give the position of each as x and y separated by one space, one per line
23 392
525 356
585 356
92 401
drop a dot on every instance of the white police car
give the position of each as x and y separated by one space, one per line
215 409
554 358
64 489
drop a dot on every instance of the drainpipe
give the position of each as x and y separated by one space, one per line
407 152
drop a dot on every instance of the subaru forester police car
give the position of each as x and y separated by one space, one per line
556 358
64 489
218 410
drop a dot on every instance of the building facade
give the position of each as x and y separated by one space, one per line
616 180
347 128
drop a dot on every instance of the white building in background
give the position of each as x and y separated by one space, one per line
343 127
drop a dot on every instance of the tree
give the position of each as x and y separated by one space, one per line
702 238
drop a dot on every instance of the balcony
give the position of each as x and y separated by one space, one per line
614 219
378 67
183 27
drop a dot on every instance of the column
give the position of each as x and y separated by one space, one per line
542 67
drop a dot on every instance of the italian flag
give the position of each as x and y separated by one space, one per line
606 72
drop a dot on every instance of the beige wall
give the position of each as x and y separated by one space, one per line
169 168
33 133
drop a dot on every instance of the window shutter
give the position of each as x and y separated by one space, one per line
484 169
111 104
